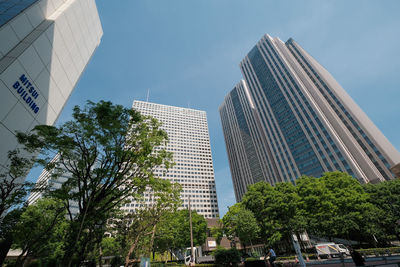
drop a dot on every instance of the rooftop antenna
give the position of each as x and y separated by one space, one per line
148 92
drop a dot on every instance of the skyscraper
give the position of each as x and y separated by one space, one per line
300 120
45 46
248 157
189 141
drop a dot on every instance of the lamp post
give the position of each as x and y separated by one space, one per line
191 233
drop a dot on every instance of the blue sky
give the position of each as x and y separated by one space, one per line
187 53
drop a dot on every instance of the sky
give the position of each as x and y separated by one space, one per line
187 54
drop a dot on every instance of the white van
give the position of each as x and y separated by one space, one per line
331 250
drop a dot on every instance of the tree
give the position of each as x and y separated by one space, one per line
109 151
6 235
335 205
143 224
167 231
260 198
386 198
174 231
287 210
226 257
110 246
240 222
13 192
13 188
35 230
199 226
218 232
276 210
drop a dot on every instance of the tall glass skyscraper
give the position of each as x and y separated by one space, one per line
289 117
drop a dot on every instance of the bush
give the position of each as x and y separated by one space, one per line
117 261
252 259
226 256
34 263
379 251
286 258
9 263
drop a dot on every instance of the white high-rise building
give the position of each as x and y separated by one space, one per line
45 45
189 141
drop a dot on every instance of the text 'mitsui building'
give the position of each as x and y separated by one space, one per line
289 117
45 46
189 141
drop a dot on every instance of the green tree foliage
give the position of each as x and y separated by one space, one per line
174 231
261 198
110 246
13 192
226 257
40 229
335 205
6 227
386 197
142 225
240 222
166 232
109 151
217 232
13 187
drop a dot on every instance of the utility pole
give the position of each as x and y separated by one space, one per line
191 232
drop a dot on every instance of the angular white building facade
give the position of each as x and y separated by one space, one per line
189 141
45 46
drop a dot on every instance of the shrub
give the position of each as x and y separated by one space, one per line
379 251
226 256
252 259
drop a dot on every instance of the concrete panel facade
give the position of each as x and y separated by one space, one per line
44 49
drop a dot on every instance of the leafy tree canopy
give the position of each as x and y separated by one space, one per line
39 231
110 153
240 222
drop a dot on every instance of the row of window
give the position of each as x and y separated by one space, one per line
343 109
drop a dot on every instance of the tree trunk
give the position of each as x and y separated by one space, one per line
100 256
397 235
131 249
152 238
21 258
79 232
5 246
252 248
302 247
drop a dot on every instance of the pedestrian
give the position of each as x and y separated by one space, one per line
272 257
357 258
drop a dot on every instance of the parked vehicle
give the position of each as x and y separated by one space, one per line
331 250
198 256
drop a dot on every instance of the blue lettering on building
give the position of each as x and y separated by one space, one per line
27 92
